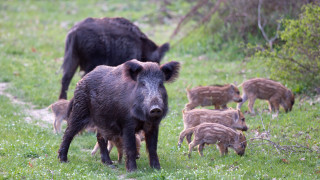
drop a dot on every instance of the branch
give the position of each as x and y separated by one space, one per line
299 64
284 148
212 11
205 19
188 15
270 41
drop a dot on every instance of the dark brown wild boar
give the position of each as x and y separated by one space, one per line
212 133
275 93
105 41
230 117
118 142
216 95
121 101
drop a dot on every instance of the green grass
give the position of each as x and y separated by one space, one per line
32 37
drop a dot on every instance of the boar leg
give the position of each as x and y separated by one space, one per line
200 149
55 125
67 76
244 99
216 106
58 122
252 99
192 145
138 144
275 104
110 146
105 158
130 148
151 137
188 137
222 148
224 106
119 145
95 149
190 106
271 108
74 127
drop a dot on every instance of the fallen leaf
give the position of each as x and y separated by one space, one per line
33 49
30 164
285 161
302 159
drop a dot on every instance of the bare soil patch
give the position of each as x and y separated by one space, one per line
41 117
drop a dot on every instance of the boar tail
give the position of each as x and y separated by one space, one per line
184 133
70 105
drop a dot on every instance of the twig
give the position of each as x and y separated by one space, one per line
270 41
284 148
205 19
188 15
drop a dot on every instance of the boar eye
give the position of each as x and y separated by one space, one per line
143 84
161 85
242 119
238 92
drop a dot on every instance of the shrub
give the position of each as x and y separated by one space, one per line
297 61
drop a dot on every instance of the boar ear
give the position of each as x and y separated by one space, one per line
237 116
132 69
232 88
171 70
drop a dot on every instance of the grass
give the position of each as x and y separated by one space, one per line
32 37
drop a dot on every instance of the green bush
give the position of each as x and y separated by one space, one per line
297 61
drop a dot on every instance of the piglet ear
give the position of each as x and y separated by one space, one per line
232 88
132 69
237 116
171 70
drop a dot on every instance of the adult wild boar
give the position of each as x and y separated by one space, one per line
120 101
105 41
274 92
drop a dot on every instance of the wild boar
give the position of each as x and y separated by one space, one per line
275 93
216 95
230 117
120 101
212 133
118 142
59 110
105 41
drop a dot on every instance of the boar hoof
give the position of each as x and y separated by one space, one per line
112 166
63 159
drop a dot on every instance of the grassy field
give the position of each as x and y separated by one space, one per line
32 35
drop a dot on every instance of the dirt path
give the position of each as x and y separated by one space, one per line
41 117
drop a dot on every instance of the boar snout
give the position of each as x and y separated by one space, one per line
240 100
155 111
245 128
240 153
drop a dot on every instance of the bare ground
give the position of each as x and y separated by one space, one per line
41 117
